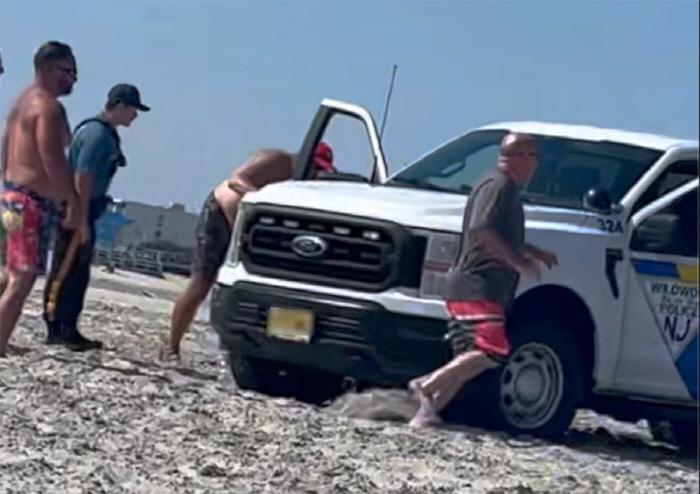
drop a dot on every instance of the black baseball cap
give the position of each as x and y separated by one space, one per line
128 95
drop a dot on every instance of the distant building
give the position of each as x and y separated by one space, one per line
151 223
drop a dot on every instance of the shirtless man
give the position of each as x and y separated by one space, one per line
36 177
216 224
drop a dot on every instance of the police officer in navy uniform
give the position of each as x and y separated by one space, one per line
95 156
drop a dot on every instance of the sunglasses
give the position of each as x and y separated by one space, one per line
70 72
519 154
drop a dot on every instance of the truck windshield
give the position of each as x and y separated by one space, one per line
566 168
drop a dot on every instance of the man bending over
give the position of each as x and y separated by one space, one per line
216 224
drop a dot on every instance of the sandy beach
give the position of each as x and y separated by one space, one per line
117 421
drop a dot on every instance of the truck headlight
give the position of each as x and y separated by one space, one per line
440 254
238 224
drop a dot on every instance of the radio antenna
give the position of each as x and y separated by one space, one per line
388 101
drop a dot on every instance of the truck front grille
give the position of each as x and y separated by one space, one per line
325 248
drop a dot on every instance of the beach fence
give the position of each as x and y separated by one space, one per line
134 259
176 259
131 258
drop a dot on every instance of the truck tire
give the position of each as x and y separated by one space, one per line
278 380
536 392
253 375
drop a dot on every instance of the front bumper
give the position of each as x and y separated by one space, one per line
354 338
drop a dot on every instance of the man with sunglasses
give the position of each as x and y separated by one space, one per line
95 156
36 177
481 285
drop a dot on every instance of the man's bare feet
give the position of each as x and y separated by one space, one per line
167 355
426 415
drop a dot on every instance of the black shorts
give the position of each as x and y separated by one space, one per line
213 238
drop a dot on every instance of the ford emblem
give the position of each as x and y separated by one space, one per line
309 245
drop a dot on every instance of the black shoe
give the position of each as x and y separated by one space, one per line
73 340
54 334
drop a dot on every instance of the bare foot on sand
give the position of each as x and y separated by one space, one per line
426 415
167 356
14 350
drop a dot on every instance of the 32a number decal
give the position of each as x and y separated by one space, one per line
610 226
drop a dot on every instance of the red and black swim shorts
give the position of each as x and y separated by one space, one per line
477 325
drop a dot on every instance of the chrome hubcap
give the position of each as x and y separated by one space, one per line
531 386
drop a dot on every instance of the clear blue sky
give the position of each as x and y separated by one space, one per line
227 77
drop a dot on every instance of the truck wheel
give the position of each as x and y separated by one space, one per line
254 375
542 382
536 391
314 387
279 380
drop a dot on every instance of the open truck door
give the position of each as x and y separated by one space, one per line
659 345
329 110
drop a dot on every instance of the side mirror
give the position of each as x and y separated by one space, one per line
598 200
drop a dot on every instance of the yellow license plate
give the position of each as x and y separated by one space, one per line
290 324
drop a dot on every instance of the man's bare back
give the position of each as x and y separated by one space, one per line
36 126
215 227
268 166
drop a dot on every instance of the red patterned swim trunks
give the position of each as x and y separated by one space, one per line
477 325
28 221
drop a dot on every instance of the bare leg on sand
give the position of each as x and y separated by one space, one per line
437 389
11 303
183 313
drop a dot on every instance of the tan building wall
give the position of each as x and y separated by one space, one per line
169 224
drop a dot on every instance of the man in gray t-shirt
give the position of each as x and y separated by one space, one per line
482 283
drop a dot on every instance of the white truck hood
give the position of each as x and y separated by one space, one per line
415 208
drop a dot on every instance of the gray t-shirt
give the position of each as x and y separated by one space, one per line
494 204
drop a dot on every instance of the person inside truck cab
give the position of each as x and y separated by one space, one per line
323 160
482 283
215 227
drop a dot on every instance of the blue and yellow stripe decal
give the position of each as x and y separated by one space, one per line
687 273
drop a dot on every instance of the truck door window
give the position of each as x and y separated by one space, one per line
566 168
674 176
673 230
352 152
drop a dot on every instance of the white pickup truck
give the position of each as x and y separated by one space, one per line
341 277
